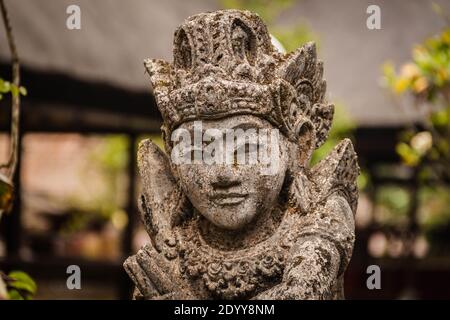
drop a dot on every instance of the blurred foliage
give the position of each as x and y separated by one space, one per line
109 160
17 285
434 216
8 87
425 81
392 205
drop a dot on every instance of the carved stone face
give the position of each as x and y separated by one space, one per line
230 196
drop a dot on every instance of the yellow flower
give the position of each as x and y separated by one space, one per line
446 36
401 85
409 157
442 75
422 142
409 70
420 85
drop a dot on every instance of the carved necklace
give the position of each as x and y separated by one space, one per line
239 273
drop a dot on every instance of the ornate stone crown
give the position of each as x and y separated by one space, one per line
225 64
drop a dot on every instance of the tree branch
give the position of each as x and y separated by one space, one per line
15 108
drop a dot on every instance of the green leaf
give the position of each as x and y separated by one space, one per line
14 90
5 86
15 295
22 281
441 118
408 155
23 91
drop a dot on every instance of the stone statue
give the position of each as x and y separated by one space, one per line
221 231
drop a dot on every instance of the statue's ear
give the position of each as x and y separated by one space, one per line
306 140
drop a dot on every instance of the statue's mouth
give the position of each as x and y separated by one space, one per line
229 198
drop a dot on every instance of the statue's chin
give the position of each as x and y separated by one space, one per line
232 220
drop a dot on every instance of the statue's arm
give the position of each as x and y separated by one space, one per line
313 269
156 277
154 268
320 256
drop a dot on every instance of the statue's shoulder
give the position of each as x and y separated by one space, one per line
337 175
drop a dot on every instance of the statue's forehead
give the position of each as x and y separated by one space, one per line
232 122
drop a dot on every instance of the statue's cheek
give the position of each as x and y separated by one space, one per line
193 177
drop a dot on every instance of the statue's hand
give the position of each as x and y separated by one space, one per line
155 268
155 276
319 256
162 202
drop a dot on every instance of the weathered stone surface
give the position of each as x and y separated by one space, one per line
291 237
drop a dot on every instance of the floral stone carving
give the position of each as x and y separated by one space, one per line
223 231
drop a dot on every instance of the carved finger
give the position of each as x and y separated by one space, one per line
140 279
149 261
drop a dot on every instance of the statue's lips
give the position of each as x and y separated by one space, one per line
225 199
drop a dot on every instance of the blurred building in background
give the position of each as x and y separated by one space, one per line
89 103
